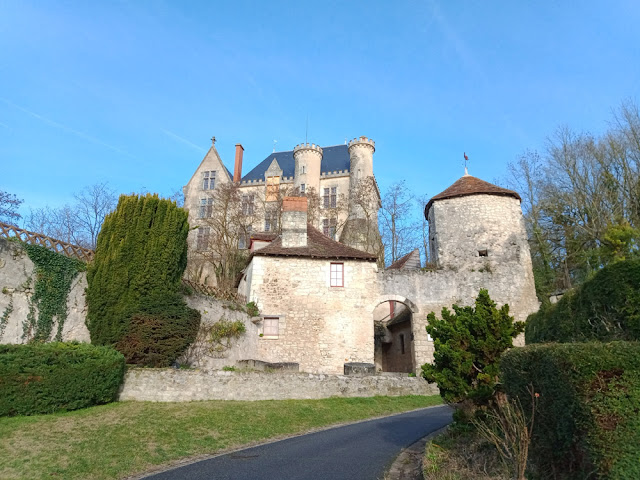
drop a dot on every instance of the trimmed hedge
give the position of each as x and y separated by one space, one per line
605 308
587 422
50 377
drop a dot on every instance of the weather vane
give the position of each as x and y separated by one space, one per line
274 145
466 159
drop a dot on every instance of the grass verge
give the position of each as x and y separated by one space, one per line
120 439
461 454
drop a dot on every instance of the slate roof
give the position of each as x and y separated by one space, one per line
468 185
318 246
333 158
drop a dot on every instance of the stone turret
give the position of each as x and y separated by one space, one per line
475 225
361 229
307 157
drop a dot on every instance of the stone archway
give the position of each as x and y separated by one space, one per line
393 334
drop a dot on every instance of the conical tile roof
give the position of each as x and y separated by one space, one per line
468 185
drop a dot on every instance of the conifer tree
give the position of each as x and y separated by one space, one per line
140 257
468 346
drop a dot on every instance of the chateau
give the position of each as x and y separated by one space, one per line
325 304
338 181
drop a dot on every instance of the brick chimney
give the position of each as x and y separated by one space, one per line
237 170
294 222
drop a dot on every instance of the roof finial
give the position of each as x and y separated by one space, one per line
466 159
274 145
213 140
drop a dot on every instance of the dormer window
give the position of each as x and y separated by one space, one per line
208 180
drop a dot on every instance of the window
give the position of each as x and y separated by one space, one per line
483 253
245 238
337 274
209 180
330 197
270 222
247 204
206 207
273 188
270 327
303 188
202 240
303 169
329 227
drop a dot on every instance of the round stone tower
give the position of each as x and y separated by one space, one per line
476 226
361 229
307 157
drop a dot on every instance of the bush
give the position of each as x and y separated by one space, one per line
588 414
141 254
605 308
49 377
468 345
135 282
158 340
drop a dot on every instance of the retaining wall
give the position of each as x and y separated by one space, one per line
171 385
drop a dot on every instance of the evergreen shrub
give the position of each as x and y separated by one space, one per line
587 422
157 340
605 308
468 345
48 377
136 273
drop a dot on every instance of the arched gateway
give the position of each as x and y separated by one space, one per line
393 334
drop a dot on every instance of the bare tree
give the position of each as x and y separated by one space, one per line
9 205
78 223
400 232
227 220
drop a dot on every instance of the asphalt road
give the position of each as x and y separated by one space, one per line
362 451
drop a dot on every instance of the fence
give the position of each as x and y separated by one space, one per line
68 249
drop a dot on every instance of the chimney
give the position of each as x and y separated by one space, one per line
294 222
237 171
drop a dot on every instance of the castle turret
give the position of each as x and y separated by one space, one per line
474 225
361 229
308 157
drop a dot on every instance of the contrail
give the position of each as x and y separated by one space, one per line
66 129
182 140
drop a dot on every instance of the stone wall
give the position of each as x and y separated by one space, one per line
17 276
170 385
201 354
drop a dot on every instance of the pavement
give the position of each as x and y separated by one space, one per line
359 451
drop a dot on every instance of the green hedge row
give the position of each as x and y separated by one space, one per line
605 308
49 377
587 422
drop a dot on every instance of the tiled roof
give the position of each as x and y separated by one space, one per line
333 158
468 185
401 262
318 246
264 236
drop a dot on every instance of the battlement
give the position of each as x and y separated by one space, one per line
362 142
310 147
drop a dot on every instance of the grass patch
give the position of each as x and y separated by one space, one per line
120 439
461 454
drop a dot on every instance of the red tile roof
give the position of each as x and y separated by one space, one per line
468 185
318 246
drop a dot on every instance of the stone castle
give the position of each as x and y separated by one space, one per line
325 304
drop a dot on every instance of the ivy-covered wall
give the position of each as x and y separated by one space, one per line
42 295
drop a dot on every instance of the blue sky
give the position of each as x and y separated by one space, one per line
131 92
